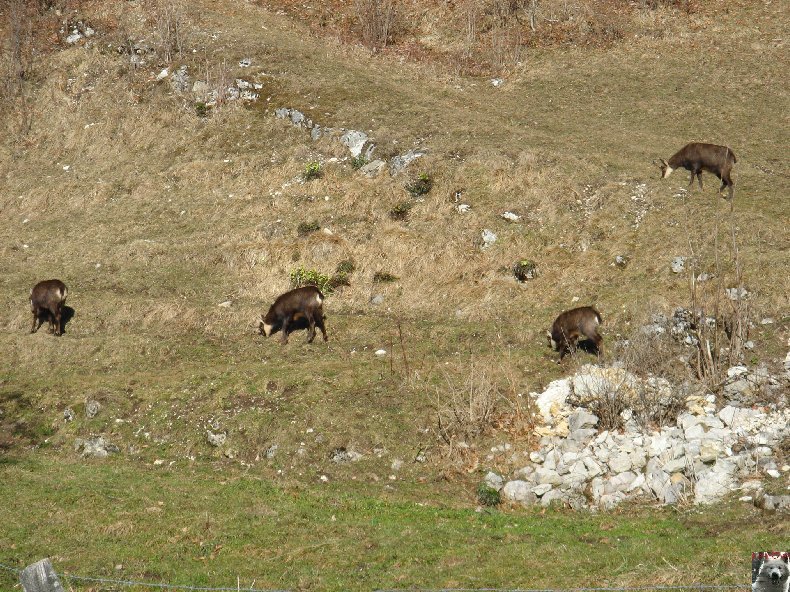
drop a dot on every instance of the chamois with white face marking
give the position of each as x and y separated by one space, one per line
301 308
46 302
697 157
573 324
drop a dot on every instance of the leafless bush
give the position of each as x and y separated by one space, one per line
468 409
505 47
656 358
18 52
377 21
723 322
170 23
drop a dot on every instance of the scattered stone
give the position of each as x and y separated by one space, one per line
78 30
519 491
40 577
620 261
355 141
271 451
216 439
581 419
715 483
552 400
399 163
510 216
739 293
68 414
377 299
341 455
489 238
551 496
92 409
373 168
245 63
494 481
380 352
226 304
772 503
96 447
678 264
463 208
297 118
179 80
397 464
497 82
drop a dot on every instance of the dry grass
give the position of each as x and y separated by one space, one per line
162 215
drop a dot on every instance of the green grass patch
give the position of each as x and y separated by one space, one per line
189 524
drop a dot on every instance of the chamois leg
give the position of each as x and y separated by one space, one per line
59 320
726 181
285 330
691 179
311 328
598 341
36 322
699 179
319 321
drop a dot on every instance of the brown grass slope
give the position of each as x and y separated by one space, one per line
161 215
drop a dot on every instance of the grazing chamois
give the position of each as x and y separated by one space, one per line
298 309
46 301
697 157
572 324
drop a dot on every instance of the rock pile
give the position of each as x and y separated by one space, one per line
705 455
358 143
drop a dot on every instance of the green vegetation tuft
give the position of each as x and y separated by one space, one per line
400 211
305 228
312 170
420 186
357 162
488 496
384 277
310 277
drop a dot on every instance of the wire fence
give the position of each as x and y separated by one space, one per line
701 587
114 584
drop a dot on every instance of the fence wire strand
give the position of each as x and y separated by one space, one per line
73 578
699 587
600 589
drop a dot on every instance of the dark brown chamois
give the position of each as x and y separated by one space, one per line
697 157
572 324
46 301
298 309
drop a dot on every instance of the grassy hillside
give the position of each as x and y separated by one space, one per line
153 215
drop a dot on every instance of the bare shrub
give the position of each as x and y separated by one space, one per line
468 409
377 21
171 23
18 52
722 321
606 398
656 359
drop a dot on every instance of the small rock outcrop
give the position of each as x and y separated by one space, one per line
706 454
